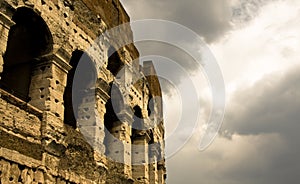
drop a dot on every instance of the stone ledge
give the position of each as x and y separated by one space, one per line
21 104
6 20
16 157
21 146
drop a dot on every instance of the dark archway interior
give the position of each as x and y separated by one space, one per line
81 79
28 40
114 64
150 105
137 124
110 116
113 106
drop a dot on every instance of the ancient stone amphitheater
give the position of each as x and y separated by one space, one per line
60 124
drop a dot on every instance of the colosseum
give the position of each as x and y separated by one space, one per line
76 103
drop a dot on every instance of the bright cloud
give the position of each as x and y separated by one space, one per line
258 53
269 43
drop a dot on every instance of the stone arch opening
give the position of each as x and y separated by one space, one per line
109 118
110 115
81 80
150 106
137 124
28 40
114 64
113 106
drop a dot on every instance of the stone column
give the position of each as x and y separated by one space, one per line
119 143
162 176
161 165
48 82
153 172
140 157
5 24
91 118
153 159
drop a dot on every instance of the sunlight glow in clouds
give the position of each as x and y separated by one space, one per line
259 142
268 44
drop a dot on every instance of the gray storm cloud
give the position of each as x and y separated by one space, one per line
259 142
210 19
207 18
271 106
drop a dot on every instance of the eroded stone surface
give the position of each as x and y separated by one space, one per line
42 140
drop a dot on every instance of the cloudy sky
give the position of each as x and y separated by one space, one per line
256 44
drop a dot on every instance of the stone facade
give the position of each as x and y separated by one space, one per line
111 132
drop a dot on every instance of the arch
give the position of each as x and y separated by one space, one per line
113 106
114 64
28 40
137 124
80 79
110 116
150 105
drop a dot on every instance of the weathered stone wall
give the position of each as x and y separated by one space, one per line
41 140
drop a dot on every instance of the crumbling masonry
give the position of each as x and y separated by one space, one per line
62 125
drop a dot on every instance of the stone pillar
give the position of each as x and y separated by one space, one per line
162 176
48 82
160 148
153 159
5 24
91 118
140 157
119 143
153 172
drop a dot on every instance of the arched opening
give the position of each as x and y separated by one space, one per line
152 149
114 64
110 115
136 134
137 120
150 106
139 149
28 40
113 107
81 78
